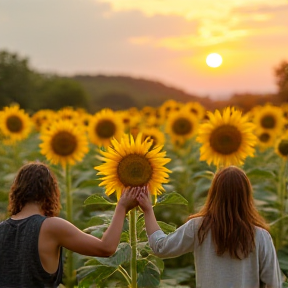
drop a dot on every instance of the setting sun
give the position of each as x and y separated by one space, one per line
214 60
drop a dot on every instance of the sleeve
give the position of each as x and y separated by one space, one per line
270 273
174 244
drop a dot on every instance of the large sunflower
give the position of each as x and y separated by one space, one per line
270 118
226 139
103 126
181 126
15 124
64 143
132 163
281 146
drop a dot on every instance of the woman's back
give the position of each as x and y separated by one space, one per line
222 271
19 254
261 265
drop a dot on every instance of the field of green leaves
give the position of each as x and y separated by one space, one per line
86 204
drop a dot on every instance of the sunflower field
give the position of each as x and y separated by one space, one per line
175 149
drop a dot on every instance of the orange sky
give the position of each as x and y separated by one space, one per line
160 40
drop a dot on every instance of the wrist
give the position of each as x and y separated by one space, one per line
121 208
148 210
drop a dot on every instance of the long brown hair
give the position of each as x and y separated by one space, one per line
230 213
35 183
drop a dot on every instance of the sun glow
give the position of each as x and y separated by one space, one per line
214 60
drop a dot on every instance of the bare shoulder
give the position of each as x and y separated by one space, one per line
57 224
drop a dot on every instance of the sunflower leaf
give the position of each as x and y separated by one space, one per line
282 255
172 198
167 228
121 256
94 274
262 173
148 274
97 199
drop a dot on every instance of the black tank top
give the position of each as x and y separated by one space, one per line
20 264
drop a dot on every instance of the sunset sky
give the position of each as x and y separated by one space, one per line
162 40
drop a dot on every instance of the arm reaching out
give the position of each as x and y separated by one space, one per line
166 246
149 216
65 234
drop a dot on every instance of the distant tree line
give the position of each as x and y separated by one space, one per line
33 91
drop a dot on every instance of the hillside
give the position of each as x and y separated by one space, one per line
122 92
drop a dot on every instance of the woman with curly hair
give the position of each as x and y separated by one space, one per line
230 240
31 240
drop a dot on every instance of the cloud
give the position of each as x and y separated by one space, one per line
165 40
216 22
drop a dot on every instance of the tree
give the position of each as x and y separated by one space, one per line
58 92
281 73
16 80
34 91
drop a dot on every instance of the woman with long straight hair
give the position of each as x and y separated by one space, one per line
230 240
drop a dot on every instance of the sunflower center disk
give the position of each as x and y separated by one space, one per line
182 126
64 143
134 170
268 122
283 147
264 137
192 110
14 124
105 129
225 139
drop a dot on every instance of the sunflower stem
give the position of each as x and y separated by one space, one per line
69 260
133 241
281 191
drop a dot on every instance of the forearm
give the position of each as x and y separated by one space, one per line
151 222
112 235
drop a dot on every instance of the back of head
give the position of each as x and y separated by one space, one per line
230 213
35 183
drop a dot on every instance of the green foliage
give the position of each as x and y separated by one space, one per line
17 83
33 91
57 92
97 199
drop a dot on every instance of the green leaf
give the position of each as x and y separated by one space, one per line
125 236
122 255
167 228
203 174
156 261
96 231
171 198
97 199
140 227
89 275
258 172
282 255
148 274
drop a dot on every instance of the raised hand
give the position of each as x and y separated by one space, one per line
129 198
143 199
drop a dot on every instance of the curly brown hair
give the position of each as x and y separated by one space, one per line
35 182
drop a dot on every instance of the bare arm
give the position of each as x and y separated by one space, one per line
69 236
149 216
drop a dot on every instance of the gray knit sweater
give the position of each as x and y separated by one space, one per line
259 269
